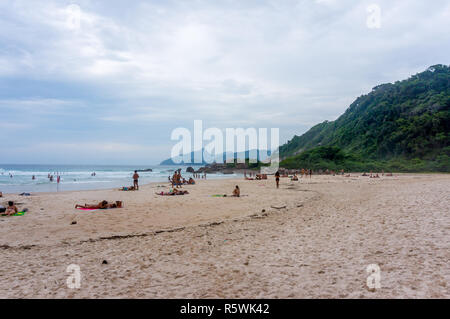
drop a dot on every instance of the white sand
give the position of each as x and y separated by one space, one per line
197 246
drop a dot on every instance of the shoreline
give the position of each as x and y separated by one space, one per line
107 188
238 172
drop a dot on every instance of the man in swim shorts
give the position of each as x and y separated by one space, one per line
136 180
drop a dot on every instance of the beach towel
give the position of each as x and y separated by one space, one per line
87 209
19 214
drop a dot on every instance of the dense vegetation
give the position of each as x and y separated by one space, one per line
403 126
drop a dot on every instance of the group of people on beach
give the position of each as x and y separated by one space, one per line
375 175
277 176
135 186
177 180
199 176
253 176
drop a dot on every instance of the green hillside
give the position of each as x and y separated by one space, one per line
402 126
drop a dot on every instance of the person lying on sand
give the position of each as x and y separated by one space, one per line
117 204
294 178
247 178
179 192
101 205
191 181
125 189
236 192
173 192
11 209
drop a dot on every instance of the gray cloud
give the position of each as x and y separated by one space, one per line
148 67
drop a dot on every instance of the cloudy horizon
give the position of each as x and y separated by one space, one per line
106 82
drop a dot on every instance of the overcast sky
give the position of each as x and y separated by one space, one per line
111 88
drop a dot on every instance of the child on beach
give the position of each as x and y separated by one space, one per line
11 209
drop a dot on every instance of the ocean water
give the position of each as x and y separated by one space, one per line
18 178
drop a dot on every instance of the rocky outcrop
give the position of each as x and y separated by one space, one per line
190 170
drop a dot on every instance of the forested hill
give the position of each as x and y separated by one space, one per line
406 120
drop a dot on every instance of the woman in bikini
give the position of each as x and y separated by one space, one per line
101 205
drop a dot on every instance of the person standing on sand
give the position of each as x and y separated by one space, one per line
310 173
136 180
277 179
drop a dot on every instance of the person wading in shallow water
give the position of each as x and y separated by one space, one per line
277 179
136 180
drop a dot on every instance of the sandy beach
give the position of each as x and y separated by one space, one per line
309 239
